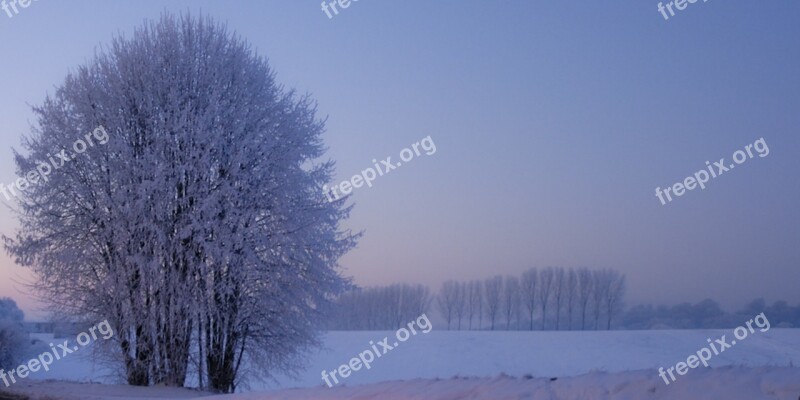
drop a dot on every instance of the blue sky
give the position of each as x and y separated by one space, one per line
554 123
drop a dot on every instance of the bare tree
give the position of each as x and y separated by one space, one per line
379 308
390 302
479 292
615 291
598 294
494 288
447 300
415 300
546 278
461 302
511 300
530 279
585 288
558 293
422 301
473 290
571 290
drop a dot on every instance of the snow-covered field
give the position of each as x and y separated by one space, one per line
728 383
520 365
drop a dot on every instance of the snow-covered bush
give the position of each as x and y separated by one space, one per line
13 338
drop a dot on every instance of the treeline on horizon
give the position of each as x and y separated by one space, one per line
548 299
552 298
708 314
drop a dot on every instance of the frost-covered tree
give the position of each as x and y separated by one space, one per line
448 300
460 303
13 338
195 223
512 302
599 289
380 308
614 283
493 289
415 301
546 278
479 296
9 311
559 283
570 292
392 306
530 278
474 300
585 288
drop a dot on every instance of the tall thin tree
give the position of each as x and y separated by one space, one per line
493 292
546 278
530 278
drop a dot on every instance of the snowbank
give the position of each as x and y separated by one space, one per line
729 383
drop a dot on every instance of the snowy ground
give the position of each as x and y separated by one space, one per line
57 390
429 361
728 383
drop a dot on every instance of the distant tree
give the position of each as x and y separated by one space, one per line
530 278
511 300
615 283
546 278
474 299
598 295
570 291
493 291
755 307
585 291
391 305
379 308
559 283
416 300
639 317
782 315
707 314
479 293
681 316
448 300
461 302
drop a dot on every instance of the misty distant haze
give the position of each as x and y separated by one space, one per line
548 153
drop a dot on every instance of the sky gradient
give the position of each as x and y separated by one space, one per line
554 122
